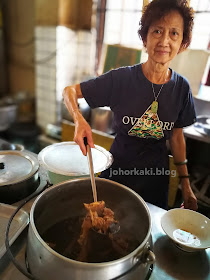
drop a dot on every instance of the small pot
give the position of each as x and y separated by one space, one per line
66 200
18 175
64 161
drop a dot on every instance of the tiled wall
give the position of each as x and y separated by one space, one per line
63 57
45 69
75 57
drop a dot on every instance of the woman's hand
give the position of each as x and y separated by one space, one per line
190 200
82 129
178 148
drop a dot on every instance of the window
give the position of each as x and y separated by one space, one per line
122 21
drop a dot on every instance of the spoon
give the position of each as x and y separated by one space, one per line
90 164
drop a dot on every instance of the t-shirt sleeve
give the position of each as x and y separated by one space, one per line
98 92
187 115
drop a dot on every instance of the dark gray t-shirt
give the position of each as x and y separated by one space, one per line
139 149
141 133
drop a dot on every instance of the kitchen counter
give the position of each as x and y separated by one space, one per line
192 133
171 262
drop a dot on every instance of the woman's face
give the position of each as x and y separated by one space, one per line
164 38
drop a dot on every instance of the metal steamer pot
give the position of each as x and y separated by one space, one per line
64 161
18 175
66 200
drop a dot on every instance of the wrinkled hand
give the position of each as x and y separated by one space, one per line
190 200
82 129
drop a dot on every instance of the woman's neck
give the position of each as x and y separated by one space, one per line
156 73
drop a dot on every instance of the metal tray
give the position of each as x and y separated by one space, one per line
20 221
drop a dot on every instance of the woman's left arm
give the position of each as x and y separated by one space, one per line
178 149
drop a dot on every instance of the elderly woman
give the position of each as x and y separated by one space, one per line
151 104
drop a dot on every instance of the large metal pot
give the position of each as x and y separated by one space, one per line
66 200
18 175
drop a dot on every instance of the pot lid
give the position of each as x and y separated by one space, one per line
16 166
67 159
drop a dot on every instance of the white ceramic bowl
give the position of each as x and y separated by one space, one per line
189 230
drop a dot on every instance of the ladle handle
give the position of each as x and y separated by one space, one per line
90 163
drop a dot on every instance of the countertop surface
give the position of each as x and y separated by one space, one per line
192 133
171 262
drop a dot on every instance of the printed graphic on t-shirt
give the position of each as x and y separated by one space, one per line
147 126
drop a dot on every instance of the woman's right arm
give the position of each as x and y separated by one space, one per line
82 128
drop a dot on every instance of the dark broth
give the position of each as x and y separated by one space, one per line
63 238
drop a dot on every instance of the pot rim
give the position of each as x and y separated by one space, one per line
133 254
29 156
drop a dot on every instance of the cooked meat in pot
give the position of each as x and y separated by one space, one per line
90 238
98 218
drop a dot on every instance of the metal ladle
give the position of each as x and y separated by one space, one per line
90 164
114 227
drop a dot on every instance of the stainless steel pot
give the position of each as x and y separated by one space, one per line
102 119
18 175
83 107
66 200
8 114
